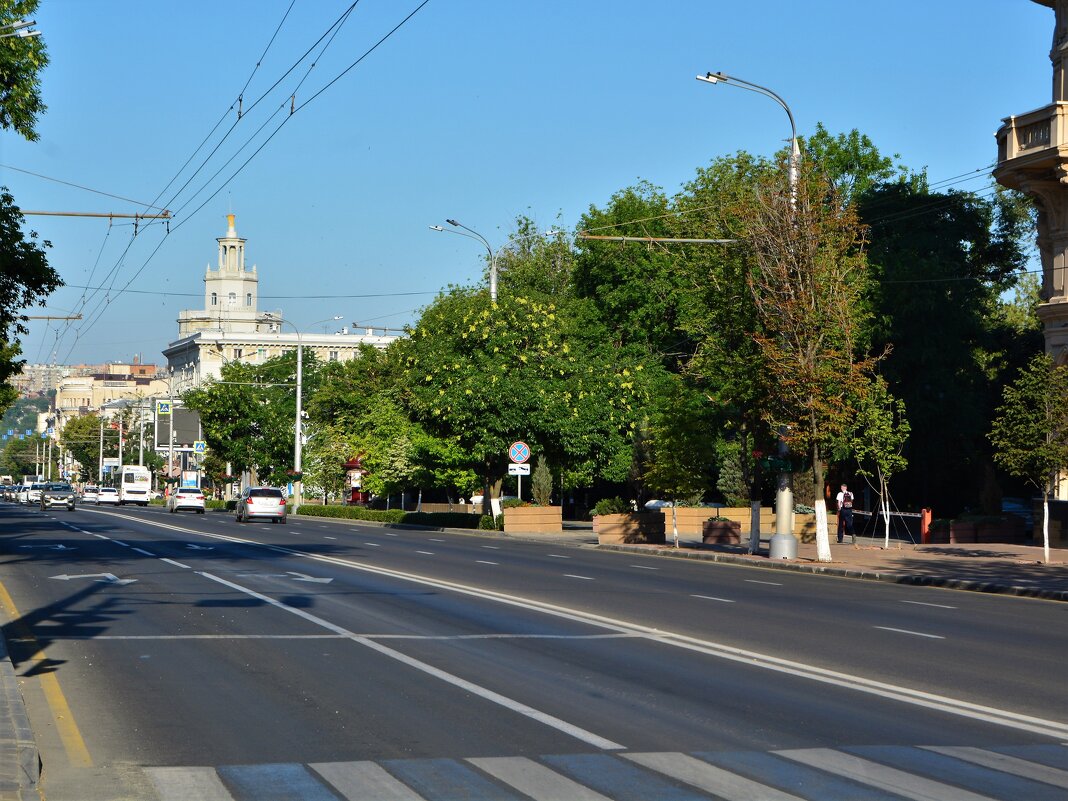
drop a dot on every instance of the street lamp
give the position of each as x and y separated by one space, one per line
297 443
493 256
784 544
795 151
19 29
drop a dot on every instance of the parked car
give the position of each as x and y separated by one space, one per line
262 502
108 495
191 498
89 494
22 494
57 495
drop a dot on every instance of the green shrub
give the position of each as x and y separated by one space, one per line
541 483
157 502
513 503
211 503
612 506
230 505
436 519
485 523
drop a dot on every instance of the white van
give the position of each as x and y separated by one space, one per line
135 484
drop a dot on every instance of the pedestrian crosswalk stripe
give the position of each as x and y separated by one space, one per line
893 780
364 780
709 778
1005 763
872 773
181 784
537 781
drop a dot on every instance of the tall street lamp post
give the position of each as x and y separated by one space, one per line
783 544
298 442
492 255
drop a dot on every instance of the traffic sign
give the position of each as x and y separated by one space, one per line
200 446
163 407
519 452
515 469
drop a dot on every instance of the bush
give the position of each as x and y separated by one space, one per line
485 523
612 506
435 519
541 484
211 503
230 505
513 503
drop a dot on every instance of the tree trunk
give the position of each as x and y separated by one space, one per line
754 526
823 542
1045 523
674 522
487 508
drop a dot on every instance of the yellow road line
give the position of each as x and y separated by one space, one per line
77 753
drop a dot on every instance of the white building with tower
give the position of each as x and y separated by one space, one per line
231 327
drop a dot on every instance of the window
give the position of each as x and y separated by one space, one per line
237 353
333 355
261 354
232 297
214 298
248 299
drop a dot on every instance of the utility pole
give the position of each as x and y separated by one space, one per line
100 464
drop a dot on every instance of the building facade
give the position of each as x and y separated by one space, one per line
231 327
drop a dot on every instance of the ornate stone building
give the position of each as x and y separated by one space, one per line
230 327
1033 158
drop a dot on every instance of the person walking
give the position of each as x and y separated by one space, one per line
845 515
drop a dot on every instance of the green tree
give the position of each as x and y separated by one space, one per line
1030 431
878 439
541 483
21 63
25 279
248 414
485 374
807 282
681 452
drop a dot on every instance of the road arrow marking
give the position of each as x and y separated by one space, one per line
52 547
306 577
109 578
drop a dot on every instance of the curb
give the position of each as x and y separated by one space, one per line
20 760
845 572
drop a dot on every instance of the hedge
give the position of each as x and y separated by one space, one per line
435 519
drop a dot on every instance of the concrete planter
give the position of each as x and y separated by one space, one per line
634 527
721 532
533 520
1009 530
961 531
688 518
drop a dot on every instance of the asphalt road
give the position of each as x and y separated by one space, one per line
158 651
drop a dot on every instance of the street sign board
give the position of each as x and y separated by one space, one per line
519 452
163 407
200 446
515 469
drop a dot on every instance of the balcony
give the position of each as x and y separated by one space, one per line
1032 143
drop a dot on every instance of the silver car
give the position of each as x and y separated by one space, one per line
262 502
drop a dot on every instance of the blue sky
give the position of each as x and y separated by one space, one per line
478 110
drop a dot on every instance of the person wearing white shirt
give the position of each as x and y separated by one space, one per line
845 514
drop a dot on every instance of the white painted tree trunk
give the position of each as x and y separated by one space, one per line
675 523
754 527
884 505
1045 527
823 542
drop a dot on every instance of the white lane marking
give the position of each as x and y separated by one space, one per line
720 783
120 542
855 683
102 536
1004 763
374 544
924 603
584 578
433 539
508 703
363 780
484 562
426 553
176 564
427 637
324 526
143 551
329 538
389 534
644 567
181 784
913 633
492 547
558 556
712 598
75 528
771 583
